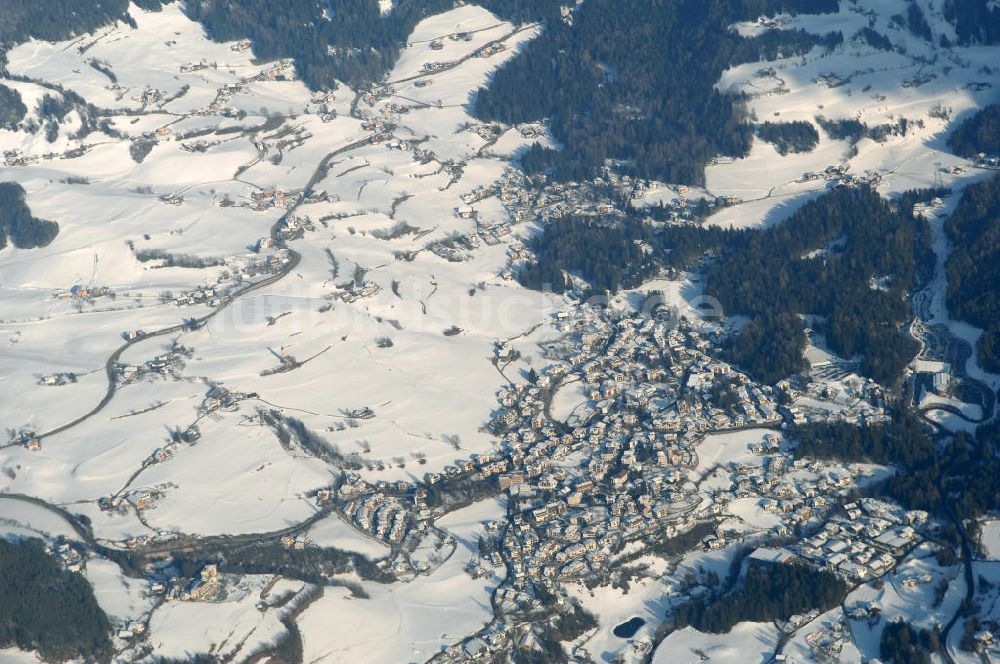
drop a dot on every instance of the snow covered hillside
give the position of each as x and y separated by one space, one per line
273 319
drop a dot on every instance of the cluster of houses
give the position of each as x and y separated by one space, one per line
323 102
222 399
617 470
158 135
838 176
131 629
984 160
354 291
200 145
438 44
620 467
139 499
548 201
800 493
265 199
380 516
279 70
165 580
826 401
372 124
248 267
863 541
15 157
826 642
490 50
919 79
167 364
25 438
432 67
70 558
206 586
323 97
150 95
273 197
295 542
57 379
79 292
202 295
545 201
378 94
221 104
831 80
190 67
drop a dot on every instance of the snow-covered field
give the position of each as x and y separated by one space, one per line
237 478
371 318
425 388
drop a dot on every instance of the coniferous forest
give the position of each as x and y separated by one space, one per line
16 222
901 441
901 643
979 133
662 115
958 479
46 608
12 109
849 257
798 136
53 20
608 256
365 43
768 592
976 21
974 266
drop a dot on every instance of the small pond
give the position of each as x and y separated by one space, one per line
628 628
